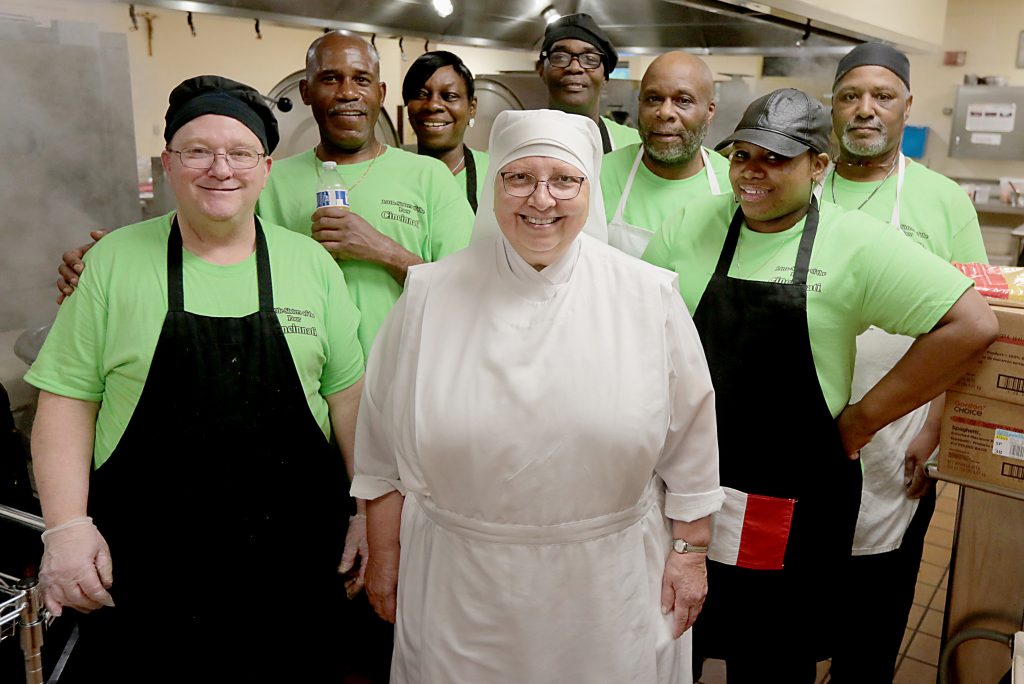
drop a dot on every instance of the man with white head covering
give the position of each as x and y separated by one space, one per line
539 483
870 106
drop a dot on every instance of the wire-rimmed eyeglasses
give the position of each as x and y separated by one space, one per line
563 58
520 184
203 158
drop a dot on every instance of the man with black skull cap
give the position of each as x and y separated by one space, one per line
871 103
575 60
189 395
779 292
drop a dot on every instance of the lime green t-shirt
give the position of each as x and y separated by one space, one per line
653 198
410 198
620 135
862 272
102 342
935 212
482 160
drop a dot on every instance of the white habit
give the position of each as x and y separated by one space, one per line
541 426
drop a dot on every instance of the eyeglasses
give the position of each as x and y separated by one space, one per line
519 184
587 60
202 158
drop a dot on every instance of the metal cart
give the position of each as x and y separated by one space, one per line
21 610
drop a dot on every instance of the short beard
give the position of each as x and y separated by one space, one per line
864 150
679 153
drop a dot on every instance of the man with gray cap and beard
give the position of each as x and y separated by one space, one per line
871 103
575 60
646 182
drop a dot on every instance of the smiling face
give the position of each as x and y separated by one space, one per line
676 108
440 111
573 89
343 88
219 193
870 106
773 191
539 227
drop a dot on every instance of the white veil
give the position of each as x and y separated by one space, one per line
570 138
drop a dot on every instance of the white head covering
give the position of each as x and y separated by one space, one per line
570 138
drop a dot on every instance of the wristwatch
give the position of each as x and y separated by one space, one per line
683 546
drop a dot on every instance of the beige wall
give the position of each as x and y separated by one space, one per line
228 46
910 23
986 29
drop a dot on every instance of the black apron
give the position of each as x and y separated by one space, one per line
224 506
606 140
470 176
777 438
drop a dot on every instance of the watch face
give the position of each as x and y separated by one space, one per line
679 546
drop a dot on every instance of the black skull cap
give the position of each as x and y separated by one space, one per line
201 95
581 27
875 54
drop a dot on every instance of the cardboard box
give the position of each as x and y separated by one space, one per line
983 439
1000 372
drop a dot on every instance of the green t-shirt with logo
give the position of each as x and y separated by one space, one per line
101 345
620 135
482 159
861 273
653 198
410 198
935 212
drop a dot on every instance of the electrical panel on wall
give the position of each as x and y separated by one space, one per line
988 123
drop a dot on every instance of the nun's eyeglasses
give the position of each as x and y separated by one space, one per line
518 184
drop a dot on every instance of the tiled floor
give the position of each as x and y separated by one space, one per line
919 654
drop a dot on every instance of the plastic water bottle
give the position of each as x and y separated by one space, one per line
330 188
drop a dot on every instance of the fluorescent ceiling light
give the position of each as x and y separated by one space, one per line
443 7
550 14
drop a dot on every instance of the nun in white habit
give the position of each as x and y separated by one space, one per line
536 428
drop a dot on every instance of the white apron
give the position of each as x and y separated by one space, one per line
885 508
535 445
633 239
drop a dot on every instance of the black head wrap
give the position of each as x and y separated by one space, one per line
875 54
201 95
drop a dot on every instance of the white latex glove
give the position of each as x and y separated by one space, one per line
355 545
76 570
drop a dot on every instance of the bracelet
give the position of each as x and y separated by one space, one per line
84 520
357 516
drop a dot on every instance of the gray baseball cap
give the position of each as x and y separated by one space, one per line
787 122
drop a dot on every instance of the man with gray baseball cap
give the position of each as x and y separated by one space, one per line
779 291
871 103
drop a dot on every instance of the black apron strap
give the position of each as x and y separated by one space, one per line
176 280
732 238
606 141
263 279
470 176
803 255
